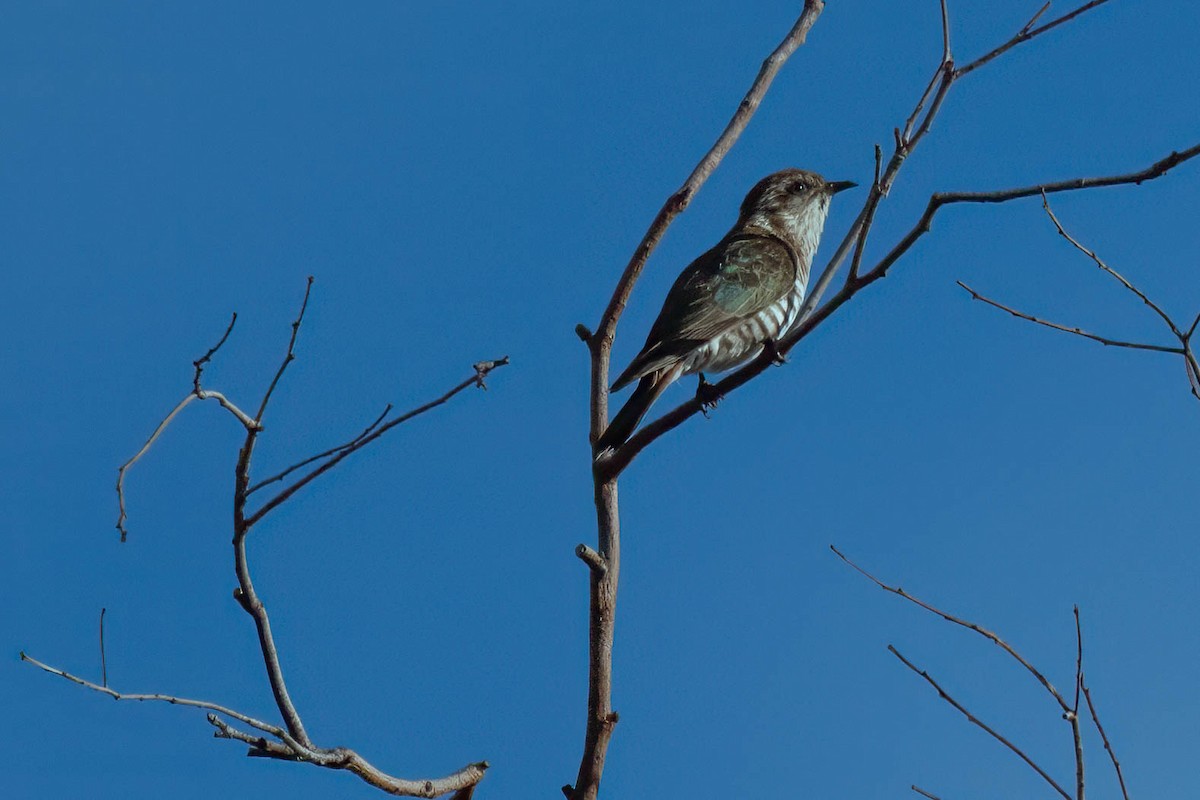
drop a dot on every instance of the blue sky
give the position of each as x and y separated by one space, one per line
468 182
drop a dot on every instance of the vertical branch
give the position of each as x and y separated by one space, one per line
1073 715
604 562
103 660
245 593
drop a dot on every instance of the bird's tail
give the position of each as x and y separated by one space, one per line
626 421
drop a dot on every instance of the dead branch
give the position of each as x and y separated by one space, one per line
1070 712
197 393
984 632
1087 695
327 453
481 370
1184 349
103 659
1072 716
976 721
290 741
1104 340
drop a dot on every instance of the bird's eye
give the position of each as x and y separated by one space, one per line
799 187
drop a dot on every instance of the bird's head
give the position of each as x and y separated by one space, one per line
791 201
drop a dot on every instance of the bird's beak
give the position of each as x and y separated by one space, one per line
833 187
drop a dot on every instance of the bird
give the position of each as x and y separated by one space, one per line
734 300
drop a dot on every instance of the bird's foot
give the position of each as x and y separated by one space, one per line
708 395
771 348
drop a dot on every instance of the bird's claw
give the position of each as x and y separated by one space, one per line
708 395
771 348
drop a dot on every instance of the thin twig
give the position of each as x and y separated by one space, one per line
1109 270
103 660
1087 695
1033 20
1104 340
945 33
197 393
482 369
266 727
877 194
290 356
1026 33
212 351
976 721
1078 660
984 632
1072 716
331 451
260 745
1193 370
924 793
291 749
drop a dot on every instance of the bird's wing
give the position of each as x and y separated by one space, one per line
731 282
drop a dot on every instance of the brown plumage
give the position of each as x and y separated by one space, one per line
745 291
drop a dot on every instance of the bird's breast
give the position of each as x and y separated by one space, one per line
744 340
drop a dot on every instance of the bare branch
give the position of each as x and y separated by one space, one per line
266 727
1185 348
976 721
260 745
940 199
945 33
1193 370
331 451
1072 716
103 660
1028 32
289 748
1087 695
1033 20
873 201
1106 268
1104 340
482 369
984 632
212 351
197 393
290 356
1078 660
924 793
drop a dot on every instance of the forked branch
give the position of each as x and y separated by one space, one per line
916 127
604 561
1185 347
681 413
1069 711
291 740
942 693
